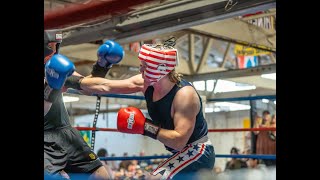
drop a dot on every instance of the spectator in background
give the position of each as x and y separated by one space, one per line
272 137
246 152
131 170
253 163
256 170
125 163
102 152
266 142
273 124
144 163
235 163
217 170
114 164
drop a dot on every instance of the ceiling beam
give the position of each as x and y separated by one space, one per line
191 61
205 54
225 55
238 32
162 19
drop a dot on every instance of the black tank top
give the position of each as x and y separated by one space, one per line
57 116
160 112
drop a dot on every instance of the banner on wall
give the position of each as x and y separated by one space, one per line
86 135
135 47
247 135
266 22
247 61
240 50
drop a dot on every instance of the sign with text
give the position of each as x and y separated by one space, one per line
240 50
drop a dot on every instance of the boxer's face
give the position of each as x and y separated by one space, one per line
52 46
143 67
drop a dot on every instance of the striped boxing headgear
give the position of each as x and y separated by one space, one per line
159 59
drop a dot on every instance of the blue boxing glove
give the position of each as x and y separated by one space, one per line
108 54
57 70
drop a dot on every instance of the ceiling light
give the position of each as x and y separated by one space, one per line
228 106
210 84
199 85
271 76
216 109
208 110
229 86
70 99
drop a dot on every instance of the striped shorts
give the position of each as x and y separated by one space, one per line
185 164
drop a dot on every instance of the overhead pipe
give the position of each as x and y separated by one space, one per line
80 13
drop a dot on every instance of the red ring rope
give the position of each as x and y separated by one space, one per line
210 130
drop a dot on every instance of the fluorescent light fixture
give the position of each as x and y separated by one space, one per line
265 100
114 106
70 99
229 86
271 76
208 110
210 84
199 85
274 102
228 106
216 109
211 109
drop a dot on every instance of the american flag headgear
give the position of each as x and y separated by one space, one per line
159 59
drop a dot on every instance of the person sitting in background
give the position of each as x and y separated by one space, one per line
246 152
102 152
114 164
145 162
125 163
253 163
256 170
235 163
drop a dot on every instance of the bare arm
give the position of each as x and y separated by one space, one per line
257 124
186 106
96 85
47 106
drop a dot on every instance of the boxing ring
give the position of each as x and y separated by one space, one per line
94 10
250 98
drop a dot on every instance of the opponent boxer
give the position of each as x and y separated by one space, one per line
65 151
174 106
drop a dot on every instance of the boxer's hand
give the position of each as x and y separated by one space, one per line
74 82
131 120
57 69
108 54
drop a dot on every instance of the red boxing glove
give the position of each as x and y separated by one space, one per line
131 120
